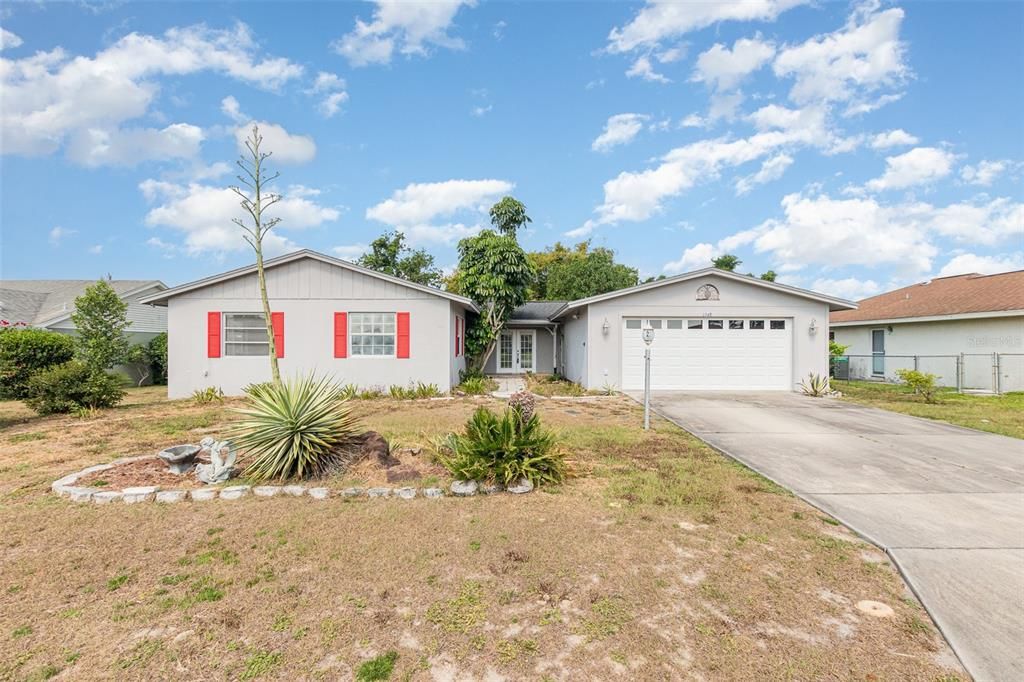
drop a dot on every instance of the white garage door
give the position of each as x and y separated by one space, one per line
710 354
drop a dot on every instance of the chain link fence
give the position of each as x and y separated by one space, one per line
987 372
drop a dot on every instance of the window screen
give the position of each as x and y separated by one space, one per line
245 334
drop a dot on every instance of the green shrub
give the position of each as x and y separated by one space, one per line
413 392
72 386
23 352
922 383
210 394
302 428
478 385
371 393
503 449
156 350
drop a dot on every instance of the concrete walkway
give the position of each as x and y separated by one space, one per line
508 384
946 503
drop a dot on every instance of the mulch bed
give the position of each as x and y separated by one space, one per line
143 472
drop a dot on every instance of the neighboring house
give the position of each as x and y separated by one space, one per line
48 304
979 316
713 329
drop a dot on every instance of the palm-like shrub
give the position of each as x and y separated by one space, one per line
504 450
299 428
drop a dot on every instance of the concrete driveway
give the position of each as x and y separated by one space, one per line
946 503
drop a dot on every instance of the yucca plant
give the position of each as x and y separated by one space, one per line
299 428
504 450
816 385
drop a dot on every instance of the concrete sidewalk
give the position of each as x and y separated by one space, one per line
946 503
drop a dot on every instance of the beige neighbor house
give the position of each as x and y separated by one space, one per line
967 329
713 330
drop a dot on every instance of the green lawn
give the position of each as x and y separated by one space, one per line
1002 414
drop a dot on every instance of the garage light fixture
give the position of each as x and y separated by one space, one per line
813 329
605 328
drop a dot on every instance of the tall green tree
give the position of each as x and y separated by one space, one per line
254 201
389 254
726 262
508 216
494 272
568 274
768 276
101 318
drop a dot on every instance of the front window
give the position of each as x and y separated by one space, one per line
778 324
735 324
245 334
695 324
715 324
372 333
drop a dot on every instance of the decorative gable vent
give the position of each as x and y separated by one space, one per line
707 292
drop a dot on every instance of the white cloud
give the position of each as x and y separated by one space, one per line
8 39
50 95
771 169
230 107
350 252
331 104
723 68
96 249
481 110
850 64
130 146
58 234
287 148
663 19
984 173
893 138
619 129
420 203
985 265
850 288
327 82
203 214
984 221
919 166
411 28
332 89
693 121
697 256
642 68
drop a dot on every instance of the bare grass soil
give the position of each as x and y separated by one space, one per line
660 560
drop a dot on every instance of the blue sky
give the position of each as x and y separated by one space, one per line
850 147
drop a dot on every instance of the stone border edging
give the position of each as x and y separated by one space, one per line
65 487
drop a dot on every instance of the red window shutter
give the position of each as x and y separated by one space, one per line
341 335
458 334
277 322
212 335
402 335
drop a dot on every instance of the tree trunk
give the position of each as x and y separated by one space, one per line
275 372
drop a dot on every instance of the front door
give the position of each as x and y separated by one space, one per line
516 350
878 352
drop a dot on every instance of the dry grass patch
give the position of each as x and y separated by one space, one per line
661 561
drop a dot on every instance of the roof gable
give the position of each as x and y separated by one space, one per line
162 297
944 296
834 303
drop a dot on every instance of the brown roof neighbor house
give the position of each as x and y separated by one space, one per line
967 329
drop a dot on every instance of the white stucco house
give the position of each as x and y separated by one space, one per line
971 325
713 330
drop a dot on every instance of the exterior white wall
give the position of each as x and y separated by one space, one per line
573 348
977 338
309 292
736 299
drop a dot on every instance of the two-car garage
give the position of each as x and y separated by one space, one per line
709 353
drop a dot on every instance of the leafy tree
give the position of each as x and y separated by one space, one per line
23 352
156 350
389 254
768 276
568 274
494 272
255 201
652 278
101 318
508 216
726 262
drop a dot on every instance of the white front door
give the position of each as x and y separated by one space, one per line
710 354
516 351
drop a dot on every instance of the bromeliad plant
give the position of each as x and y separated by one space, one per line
299 428
503 449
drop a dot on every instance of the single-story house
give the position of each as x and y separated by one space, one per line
49 303
713 330
968 324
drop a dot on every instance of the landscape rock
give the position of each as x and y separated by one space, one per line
405 493
491 488
233 492
142 493
266 490
107 496
523 485
372 444
204 494
80 494
294 490
432 492
171 496
351 492
378 492
319 493
464 488
403 473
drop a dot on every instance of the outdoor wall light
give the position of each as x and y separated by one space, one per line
813 329
605 327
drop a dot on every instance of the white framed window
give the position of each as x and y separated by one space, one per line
735 324
655 324
632 324
778 324
695 324
245 334
757 324
674 324
372 333
716 324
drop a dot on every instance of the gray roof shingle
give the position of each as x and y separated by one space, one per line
35 301
536 310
